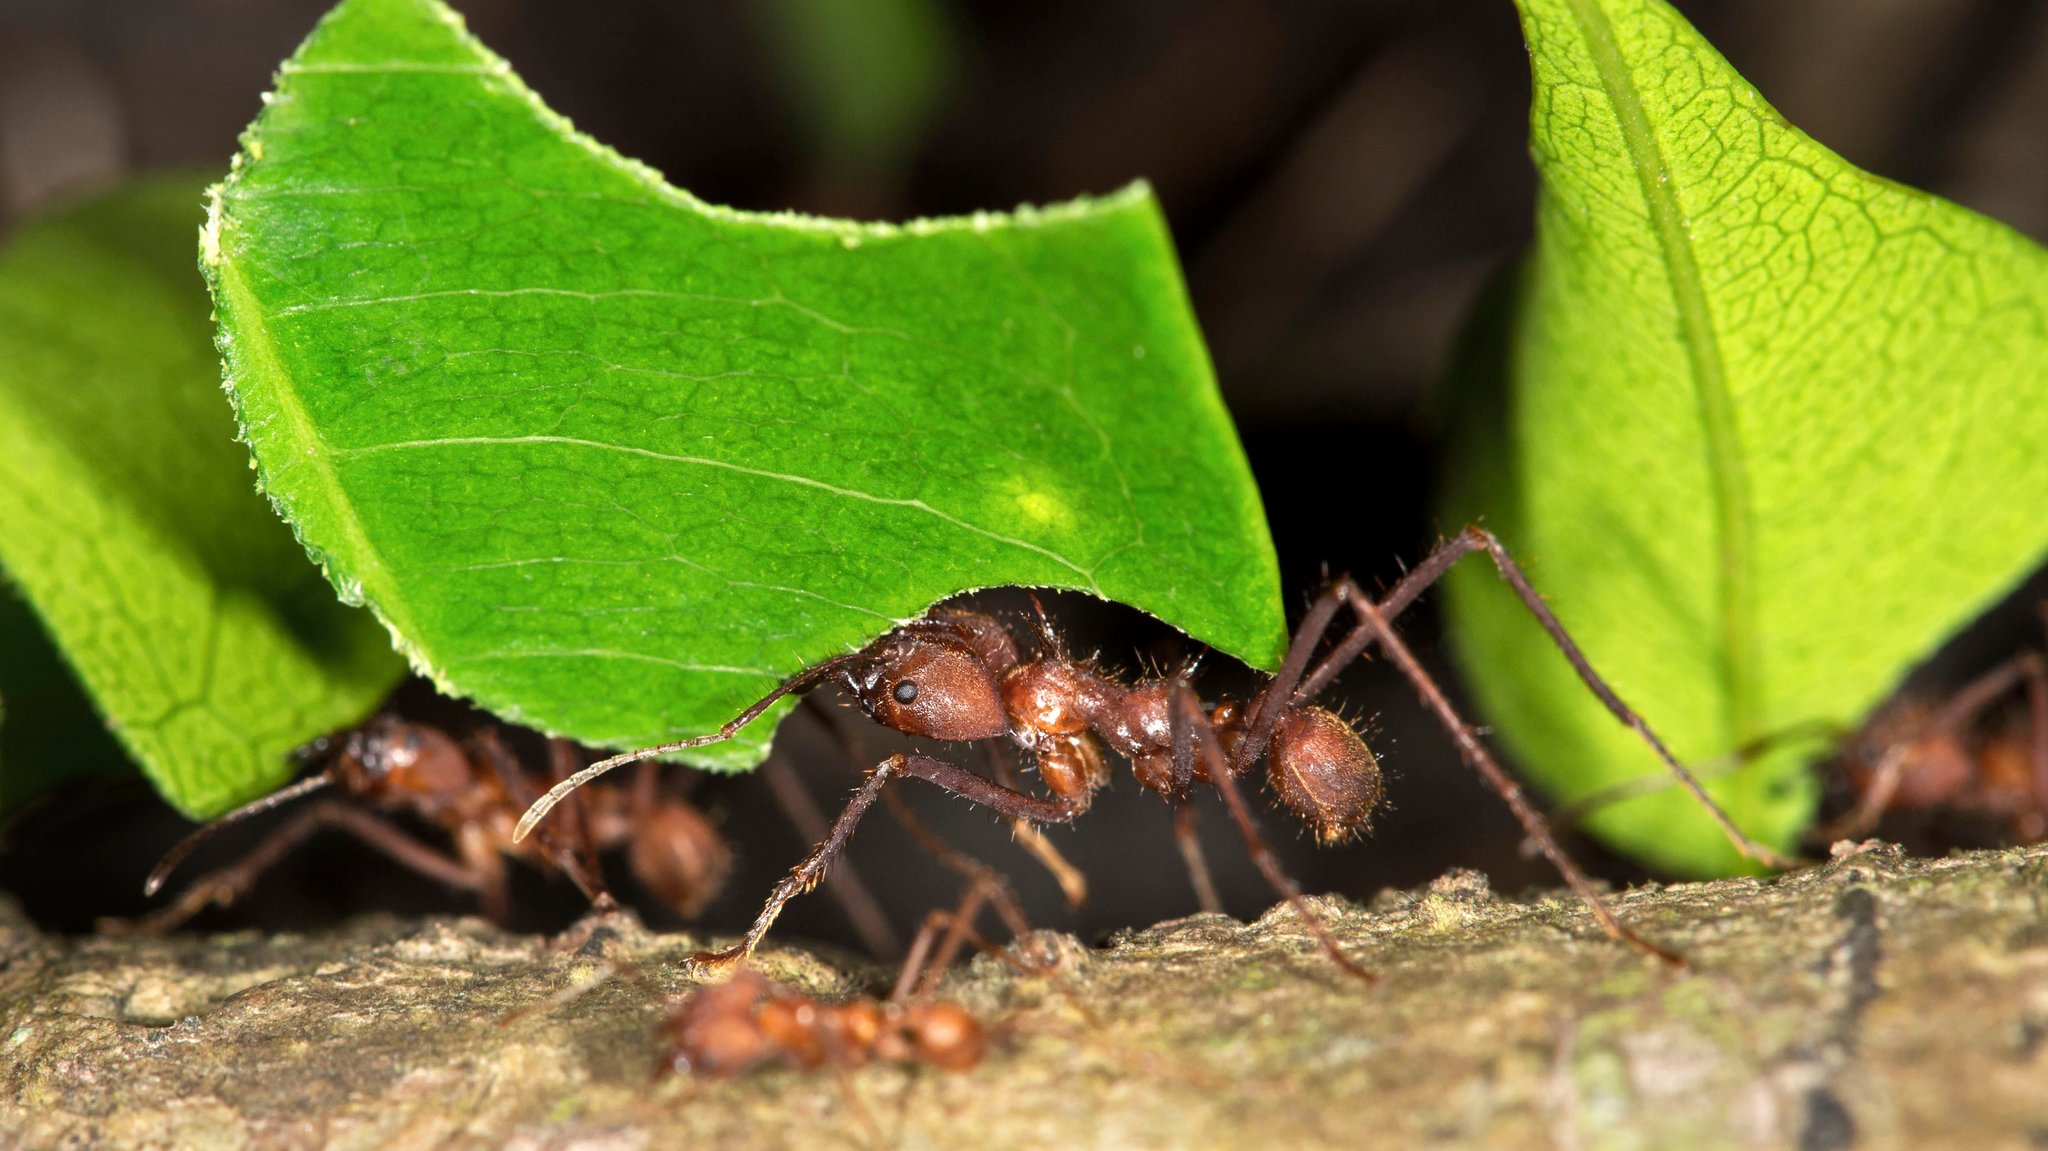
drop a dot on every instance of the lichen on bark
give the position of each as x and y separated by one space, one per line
1871 1002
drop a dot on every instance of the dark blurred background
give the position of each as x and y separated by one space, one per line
1341 175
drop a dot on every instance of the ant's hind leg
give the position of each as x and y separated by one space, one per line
1475 753
1404 593
1193 734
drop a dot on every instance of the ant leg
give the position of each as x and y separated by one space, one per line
575 858
1185 838
1482 761
1474 538
959 863
1870 807
1188 710
2037 716
923 966
1566 816
1073 884
222 887
949 777
843 882
1961 709
563 762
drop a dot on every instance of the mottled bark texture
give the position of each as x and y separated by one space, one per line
1873 1002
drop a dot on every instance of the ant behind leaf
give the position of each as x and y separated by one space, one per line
1964 756
1973 754
961 676
473 791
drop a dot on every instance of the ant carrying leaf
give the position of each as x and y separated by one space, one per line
472 790
960 676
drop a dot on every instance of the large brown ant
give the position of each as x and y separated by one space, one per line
959 676
473 790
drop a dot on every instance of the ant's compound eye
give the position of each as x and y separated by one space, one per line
905 692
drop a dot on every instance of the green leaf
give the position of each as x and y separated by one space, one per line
1774 428
49 734
613 461
128 521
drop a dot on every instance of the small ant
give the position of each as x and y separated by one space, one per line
1912 755
748 1021
959 676
473 791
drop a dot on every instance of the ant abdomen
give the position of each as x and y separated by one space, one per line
680 857
1323 772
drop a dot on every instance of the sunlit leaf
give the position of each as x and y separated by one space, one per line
129 521
1773 428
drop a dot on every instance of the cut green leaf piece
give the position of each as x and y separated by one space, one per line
127 517
1774 429
613 461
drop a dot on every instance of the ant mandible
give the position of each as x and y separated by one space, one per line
958 676
472 790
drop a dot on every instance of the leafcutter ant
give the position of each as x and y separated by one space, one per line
1919 756
960 676
749 1021
1964 757
473 790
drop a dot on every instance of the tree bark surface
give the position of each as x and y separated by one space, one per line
1872 1002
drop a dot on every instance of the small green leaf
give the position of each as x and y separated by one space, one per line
1774 429
128 520
613 461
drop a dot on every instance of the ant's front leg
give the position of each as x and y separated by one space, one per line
223 886
938 772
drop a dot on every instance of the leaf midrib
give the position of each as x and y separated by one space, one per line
1727 469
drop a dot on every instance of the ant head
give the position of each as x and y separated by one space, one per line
716 1031
389 755
1323 772
930 682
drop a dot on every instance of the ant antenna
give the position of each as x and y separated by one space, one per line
560 791
187 845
